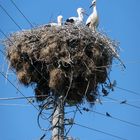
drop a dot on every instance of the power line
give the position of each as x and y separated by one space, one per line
121 102
100 131
20 105
20 98
22 94
30 97
128 90
134 106
13 44
36 68
22 13
112 117
27 59
10 16
18 90
118 87
124 89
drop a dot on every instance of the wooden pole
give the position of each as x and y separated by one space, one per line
58 120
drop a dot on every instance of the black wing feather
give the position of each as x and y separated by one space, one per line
68 21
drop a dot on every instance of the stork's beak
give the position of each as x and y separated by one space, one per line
91 5
85 13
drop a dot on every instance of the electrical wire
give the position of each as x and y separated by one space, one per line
10 16
98 113
40 115
112 117
31 97
18 90
134 106
21 30
104 101
72 123
20 98
22 94
19 105
128 90
27 59
100 131
13 2
13 44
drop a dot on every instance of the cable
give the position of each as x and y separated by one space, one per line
18 90
100 131
71 123
20 98
27 59
22 13
134 106
106 97
20 105
134 100
45 78
129 91
10 17
41 112
34 68
30 97
16 98
112 117
21 93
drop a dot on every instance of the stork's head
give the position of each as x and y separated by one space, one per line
80 11
60 19
93 3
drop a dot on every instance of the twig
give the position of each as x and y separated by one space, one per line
70 84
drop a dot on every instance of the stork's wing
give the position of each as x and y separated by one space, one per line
71 20
88 20
53 24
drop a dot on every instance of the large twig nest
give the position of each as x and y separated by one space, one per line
68 60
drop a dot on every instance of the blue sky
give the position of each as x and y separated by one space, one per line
120 19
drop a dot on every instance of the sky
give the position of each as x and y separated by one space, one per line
120 19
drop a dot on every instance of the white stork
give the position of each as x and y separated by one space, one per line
59 21
77 20
93 21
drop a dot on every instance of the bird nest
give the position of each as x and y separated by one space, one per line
68 60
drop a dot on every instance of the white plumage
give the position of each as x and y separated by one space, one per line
77 20
59 21
93 21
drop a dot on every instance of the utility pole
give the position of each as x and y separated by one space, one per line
58 120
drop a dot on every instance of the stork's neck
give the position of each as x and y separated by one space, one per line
94 9
81 16
59 22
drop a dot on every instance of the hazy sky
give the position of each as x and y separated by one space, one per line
120 19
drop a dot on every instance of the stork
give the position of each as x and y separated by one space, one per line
59 21
77 20
93 21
